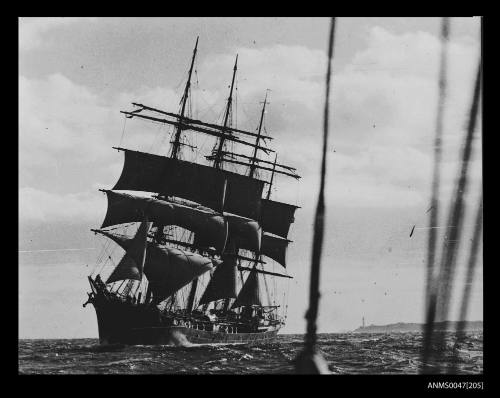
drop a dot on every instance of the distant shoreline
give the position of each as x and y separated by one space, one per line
470 326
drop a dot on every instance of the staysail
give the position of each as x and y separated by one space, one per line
249 293
131 266
223 282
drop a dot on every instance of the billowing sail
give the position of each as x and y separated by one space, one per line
249 293
244 231
132 264
167 269
276 217
208 226
241 230
198 183
223 282
211 228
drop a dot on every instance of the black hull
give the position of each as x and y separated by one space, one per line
124 323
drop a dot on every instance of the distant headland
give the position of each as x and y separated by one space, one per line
470 326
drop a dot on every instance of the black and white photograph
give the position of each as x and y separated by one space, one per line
251 196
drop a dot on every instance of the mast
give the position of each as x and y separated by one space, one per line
258 257
158 237
194 283
254 157
218 155
176 143
175 151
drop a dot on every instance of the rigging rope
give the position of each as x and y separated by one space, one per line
123 130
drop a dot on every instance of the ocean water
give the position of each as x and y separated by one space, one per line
397 353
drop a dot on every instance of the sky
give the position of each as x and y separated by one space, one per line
76 74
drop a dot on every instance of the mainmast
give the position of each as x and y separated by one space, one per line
176 143
218 154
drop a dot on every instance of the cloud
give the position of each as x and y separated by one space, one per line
383 112
65 138
65 132
33 30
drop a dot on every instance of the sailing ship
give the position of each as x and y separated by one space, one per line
205 236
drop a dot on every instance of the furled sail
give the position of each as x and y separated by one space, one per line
198 183
210 227
166 268
132 264
223 282
276 217
249 293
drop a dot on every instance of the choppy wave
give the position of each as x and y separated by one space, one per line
397 353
